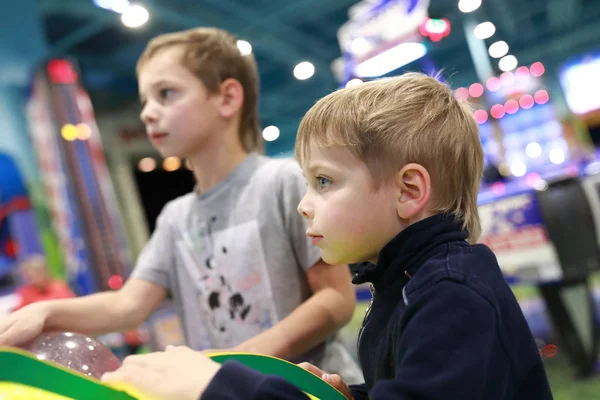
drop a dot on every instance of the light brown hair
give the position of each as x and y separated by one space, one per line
413 118
212 55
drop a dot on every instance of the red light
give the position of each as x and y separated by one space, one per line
476 90
493 84
522 72
511 106
537 69
480 116
507 78
549 350
115 282
497 111
61 71
541 97
498 188
462 93
526 101
435 29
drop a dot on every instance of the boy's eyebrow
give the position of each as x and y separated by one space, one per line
318 165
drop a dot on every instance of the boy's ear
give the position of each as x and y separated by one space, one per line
231 97
413 184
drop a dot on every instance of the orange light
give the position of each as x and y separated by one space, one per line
84 132
171 164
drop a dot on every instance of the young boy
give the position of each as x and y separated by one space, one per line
393 170
233 253
39 285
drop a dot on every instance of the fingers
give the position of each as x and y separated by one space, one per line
337 382
7 338
334 380
131 374
312 369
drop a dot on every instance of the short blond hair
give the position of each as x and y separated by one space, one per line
413 118
212 55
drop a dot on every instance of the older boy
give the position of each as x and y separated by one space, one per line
234 252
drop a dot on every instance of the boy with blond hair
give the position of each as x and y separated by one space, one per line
233 253
393 169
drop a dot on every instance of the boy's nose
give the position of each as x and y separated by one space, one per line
305 209
148 114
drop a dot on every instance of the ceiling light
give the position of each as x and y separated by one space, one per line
508 63
270 133
498 49
484 30
304 70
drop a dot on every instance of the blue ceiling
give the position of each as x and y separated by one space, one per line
283 33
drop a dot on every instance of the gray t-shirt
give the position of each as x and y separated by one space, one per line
235 259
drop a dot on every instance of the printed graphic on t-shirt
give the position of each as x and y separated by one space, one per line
229 270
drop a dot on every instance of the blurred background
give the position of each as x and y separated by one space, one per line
81 184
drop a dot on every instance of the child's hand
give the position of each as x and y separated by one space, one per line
177 373
334 380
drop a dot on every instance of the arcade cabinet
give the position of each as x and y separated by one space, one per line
77 184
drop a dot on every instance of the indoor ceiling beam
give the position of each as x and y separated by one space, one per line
87 31
270 45
299 11
247 15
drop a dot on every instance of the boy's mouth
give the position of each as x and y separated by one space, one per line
158 135
315 238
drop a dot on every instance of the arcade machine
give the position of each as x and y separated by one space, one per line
540 221
79 192
77 184
382 36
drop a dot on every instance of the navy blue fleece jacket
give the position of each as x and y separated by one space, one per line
443 325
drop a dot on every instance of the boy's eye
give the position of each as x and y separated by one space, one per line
165 93
323 182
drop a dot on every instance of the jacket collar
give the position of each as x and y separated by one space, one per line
401 257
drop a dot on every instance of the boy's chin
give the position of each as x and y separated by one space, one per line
171 153
333 258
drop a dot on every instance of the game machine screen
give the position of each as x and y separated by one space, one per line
78 188
580 83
